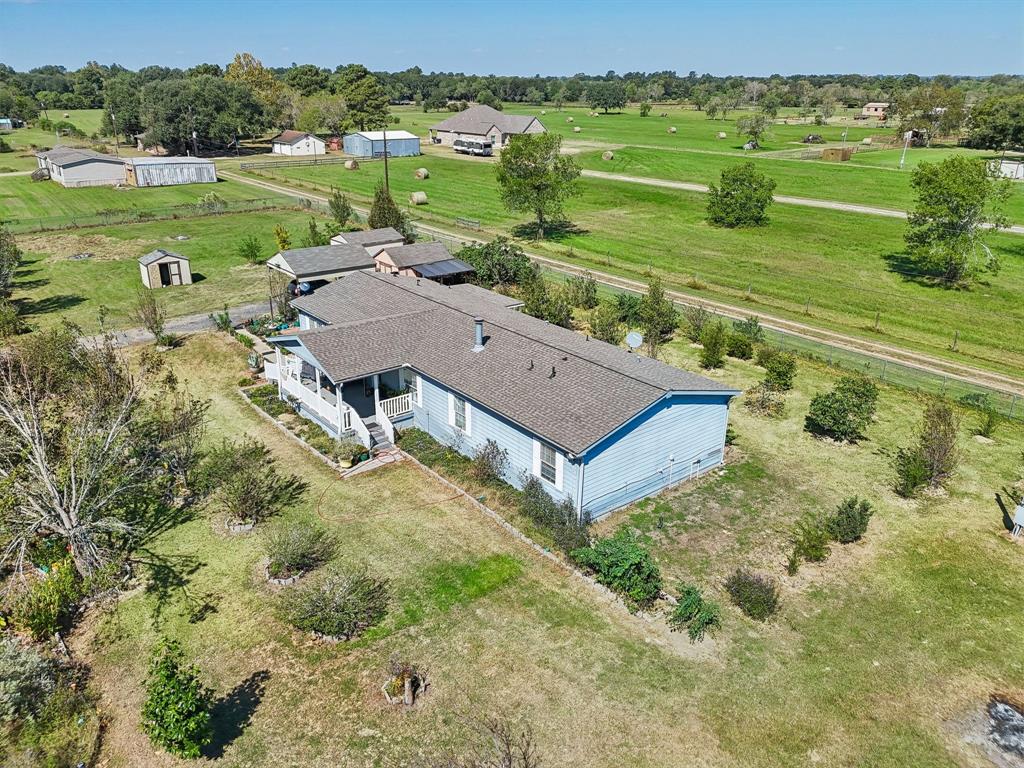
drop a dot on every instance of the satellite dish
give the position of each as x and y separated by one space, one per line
634 340
305 288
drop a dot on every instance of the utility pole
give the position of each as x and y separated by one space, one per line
387 185
906 143
117 141
192 128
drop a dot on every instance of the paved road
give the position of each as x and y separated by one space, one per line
879 350
834 205
184 324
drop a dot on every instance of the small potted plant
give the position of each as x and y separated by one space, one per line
348 452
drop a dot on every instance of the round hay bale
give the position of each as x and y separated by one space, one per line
422 173
723 135
570 119
418 198
543 111
577 129
672 129
609 155
663 114
351 165
866 141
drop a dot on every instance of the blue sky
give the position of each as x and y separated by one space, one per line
525 37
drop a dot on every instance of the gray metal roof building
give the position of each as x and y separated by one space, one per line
168 171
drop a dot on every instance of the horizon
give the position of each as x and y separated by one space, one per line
740 38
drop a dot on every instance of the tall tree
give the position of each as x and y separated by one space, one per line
957 201
364 96
384 213
247 69
606 95
534 176
307 79
934 109
754 126
742 198
998 123
122 106
657 315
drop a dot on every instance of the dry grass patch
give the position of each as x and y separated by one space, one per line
62 245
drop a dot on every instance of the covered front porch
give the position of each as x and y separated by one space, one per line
367 410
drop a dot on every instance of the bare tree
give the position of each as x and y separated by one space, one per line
148 313
504 745
81 449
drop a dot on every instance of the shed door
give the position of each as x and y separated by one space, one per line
174 268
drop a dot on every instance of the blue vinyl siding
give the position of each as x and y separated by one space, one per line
432 417
638 458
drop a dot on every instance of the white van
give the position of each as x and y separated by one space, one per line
468 147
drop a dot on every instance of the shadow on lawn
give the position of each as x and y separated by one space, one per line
1007 517
553 230
232 713
169 577
44 306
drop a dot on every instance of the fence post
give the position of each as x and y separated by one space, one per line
1013 403
956 338
882 374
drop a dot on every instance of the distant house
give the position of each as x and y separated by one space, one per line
1012 168
71 167
297 143
596 425
168 171
161 269
6 124
875 109
430 260
371 144
483 123
373 240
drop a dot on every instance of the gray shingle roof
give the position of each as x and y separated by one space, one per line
404 256
370 237
290 137
154 256
324 259
62 156
380 322
479 119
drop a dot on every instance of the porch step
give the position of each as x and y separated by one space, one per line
378 438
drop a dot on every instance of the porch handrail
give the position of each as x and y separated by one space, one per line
397 406
386 425
361 430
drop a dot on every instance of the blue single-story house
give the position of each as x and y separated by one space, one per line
597 424
371 144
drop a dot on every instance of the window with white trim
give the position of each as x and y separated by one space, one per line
548 463
459 413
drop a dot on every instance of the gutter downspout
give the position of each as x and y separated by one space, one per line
579 488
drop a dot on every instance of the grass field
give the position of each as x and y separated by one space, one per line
22 140
50 287
876 658
21 198
864 183
843 267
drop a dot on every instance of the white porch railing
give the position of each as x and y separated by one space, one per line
386 425
394 407
360 429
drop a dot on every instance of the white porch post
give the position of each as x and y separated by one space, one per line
316 374
376 391
280 372
341 408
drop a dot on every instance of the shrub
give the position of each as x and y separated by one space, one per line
26 680
624 565
696 318
295 547
756 595
811 537
265 397
581 291
628 306
764 401
779 369
176 713
751 328
244 480
47 606
343 603
695 614
712 339
250 250
911 471
569 530
850 520
11 323
845 412
605 324
989 420
739 346
222 321
490 463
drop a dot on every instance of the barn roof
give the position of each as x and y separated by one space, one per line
379 135
291 137
61 156
168 161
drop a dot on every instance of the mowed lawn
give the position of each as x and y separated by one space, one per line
863 183
22 140
693 129
50 287
875 658
24 202
842 267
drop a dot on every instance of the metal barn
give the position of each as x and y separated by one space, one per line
371 144
167 171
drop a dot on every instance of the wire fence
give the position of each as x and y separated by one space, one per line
138 215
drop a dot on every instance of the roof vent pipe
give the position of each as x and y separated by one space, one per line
478 325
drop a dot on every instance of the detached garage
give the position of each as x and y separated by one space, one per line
161 269
371 144
168 171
